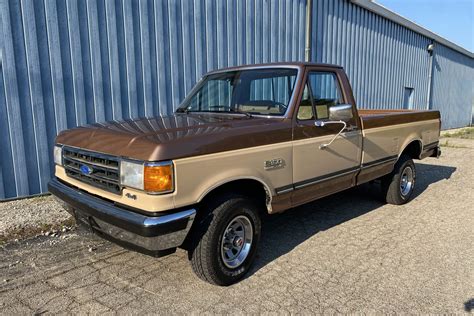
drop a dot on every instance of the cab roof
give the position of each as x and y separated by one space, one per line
293 64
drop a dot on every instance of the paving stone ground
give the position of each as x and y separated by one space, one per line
344 253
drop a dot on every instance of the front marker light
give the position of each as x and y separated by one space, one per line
131 174
58 155
158 177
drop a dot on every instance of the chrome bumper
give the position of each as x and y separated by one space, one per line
154 235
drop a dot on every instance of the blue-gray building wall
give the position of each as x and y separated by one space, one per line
453 87
69 63
382 58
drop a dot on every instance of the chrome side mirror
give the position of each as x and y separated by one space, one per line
341 112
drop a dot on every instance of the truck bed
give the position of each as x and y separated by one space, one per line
388 132
380 118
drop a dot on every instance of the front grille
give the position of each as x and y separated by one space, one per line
104 170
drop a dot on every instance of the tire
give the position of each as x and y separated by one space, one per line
213 249
398 186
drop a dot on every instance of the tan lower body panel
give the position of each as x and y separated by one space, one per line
382 142
197 176
310 161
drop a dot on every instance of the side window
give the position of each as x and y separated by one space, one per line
305 110
326 92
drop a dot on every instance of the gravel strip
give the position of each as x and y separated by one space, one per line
25 218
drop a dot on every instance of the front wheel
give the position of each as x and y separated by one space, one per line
398 186
225 241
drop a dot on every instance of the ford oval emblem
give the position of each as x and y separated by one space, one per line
86 170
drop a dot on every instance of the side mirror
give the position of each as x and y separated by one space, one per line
342 112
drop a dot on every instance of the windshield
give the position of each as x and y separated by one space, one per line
257 91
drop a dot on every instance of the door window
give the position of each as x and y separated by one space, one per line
305 111
324 92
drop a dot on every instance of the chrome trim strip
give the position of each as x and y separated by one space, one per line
377 162
109 182
285 189
165 219
95 176
95 164
317 180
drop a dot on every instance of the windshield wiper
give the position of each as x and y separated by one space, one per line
187 111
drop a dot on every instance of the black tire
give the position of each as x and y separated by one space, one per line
206 240
393 191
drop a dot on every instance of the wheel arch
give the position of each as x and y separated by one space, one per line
247 185
413 148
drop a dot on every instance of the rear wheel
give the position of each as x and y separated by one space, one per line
225 241
398 186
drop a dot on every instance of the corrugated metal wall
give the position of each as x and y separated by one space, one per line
453 86
380 57
67 63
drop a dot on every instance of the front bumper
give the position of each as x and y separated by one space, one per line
154 235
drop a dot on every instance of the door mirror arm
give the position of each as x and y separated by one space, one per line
323 123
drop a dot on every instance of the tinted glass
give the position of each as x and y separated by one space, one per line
262 91
326 93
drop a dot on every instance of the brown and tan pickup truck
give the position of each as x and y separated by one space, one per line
246 141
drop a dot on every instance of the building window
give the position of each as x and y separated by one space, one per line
408 98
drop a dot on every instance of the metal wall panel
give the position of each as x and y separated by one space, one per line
68 63
453 86
380 57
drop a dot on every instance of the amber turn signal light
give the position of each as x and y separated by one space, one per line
158 178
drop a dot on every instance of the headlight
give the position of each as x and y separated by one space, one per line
58 155
150 177
131 174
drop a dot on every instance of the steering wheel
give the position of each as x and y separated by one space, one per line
281 106
219 107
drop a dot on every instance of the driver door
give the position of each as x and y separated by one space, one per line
317 170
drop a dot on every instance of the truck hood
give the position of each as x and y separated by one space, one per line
177 136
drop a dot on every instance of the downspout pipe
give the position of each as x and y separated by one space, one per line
307 49
430 48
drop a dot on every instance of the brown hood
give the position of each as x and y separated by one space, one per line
177 136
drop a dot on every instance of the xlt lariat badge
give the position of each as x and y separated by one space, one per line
274 163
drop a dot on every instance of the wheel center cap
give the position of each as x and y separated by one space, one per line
238 241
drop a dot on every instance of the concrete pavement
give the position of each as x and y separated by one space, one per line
344 253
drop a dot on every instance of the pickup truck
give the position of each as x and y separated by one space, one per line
246 141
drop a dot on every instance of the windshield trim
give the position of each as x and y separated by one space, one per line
200 83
